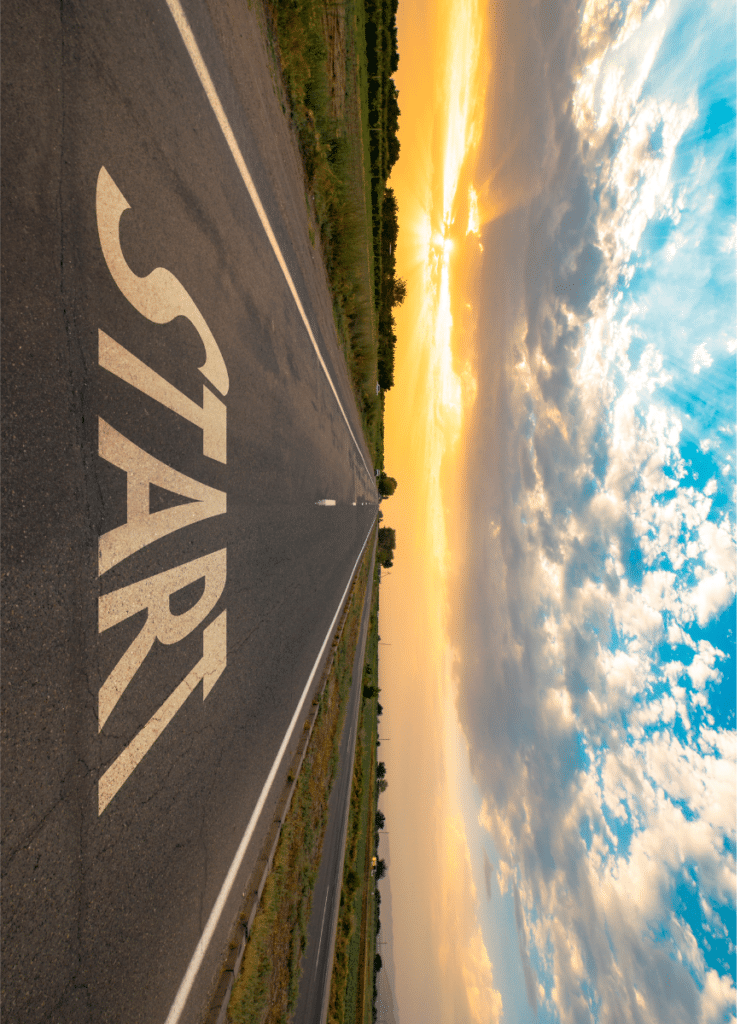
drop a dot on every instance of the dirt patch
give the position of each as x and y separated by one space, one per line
334 31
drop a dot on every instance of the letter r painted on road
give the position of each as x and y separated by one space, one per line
153 594
211 666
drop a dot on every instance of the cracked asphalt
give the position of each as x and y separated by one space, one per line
101 912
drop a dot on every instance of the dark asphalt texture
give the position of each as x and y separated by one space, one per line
101 914
318 960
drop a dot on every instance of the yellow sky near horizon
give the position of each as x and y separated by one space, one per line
438 947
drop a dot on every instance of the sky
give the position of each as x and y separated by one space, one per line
558 658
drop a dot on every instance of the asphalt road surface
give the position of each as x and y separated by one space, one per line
174 405
318 961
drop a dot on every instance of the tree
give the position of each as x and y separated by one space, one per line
380 868
399 291
380 770
387 544
380 819
387 485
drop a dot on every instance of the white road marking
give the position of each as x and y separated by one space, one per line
211 93
211 418
159 296
326 501
142 527
153 594
210 668
219 904
323 922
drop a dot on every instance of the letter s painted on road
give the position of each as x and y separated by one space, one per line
159 296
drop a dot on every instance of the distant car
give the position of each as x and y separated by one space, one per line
377 387
378 473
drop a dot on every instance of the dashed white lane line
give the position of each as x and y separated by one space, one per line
219 904
211 93
323 922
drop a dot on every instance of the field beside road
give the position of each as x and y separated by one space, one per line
267 988
352 981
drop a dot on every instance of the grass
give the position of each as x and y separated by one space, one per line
267 988
329 124
352 977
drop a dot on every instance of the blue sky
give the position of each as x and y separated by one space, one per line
596 634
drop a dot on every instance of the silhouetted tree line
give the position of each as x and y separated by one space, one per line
383 118
387 544
380 872
387 485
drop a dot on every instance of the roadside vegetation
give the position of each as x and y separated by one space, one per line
350 1000
383 121
387 544
337 60
267 988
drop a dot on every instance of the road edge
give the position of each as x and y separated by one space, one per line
216 1012
343 840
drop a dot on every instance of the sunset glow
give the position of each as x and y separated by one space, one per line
425 413
459 82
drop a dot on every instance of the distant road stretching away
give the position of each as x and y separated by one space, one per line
315 981
186 495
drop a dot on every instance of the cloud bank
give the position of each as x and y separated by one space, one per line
595 545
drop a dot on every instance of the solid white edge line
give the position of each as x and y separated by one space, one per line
186 985
211 93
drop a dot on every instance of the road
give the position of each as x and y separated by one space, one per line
174 405
315 981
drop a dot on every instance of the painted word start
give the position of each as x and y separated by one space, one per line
160 297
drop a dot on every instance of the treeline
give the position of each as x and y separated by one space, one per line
387 544
383 122
379 873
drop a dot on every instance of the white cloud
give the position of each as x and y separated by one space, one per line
712 595
468 990
719 546
484 999
701 358
718 997
703 667
728 245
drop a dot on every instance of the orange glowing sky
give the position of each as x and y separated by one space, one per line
442 71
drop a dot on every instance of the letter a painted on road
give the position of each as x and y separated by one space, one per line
142 526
